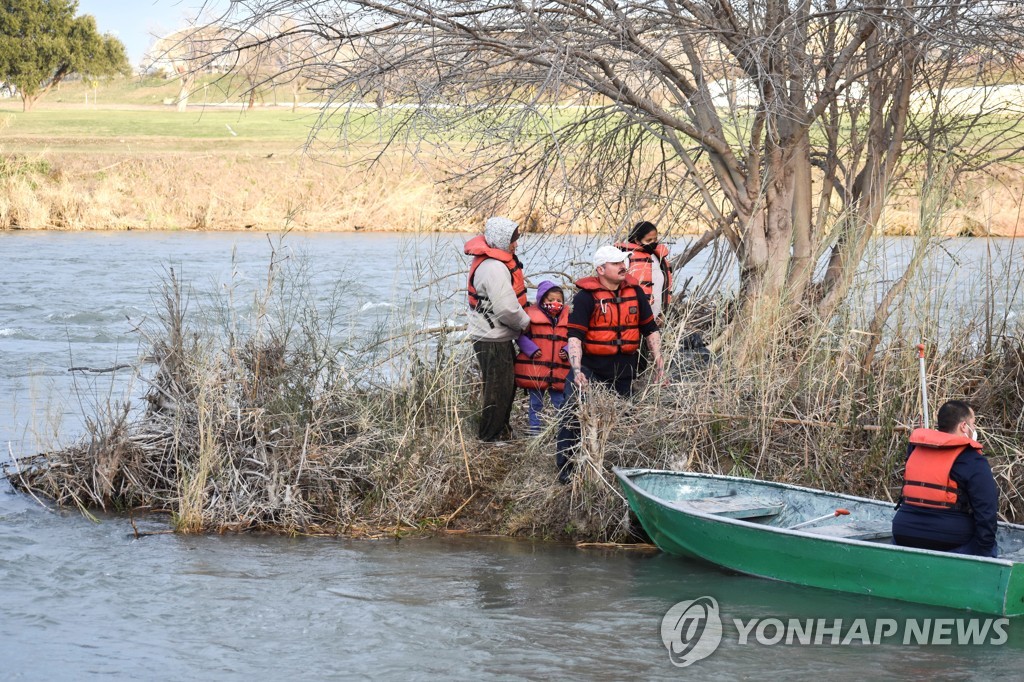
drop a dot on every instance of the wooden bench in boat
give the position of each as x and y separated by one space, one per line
733 506
852 530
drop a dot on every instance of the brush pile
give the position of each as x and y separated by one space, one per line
273 424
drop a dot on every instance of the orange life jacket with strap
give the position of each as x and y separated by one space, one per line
641 267
615 321
547 370
926 481
478 248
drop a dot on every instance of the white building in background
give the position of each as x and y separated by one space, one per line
200 49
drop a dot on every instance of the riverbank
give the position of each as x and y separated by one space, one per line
146 168
218 191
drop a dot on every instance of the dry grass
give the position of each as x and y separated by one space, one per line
988 204
265 192
281 190
172 192
272 423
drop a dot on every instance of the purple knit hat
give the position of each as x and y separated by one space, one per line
544 287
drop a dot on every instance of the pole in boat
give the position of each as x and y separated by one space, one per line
924 387
837 512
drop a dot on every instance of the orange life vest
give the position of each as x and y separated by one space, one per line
926 481
478 248
615 321
641 266
547 370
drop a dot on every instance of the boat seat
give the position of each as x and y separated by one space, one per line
733 506
853 530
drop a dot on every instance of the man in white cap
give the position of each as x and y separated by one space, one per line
497 298
610 315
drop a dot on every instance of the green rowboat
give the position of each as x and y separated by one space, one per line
747 525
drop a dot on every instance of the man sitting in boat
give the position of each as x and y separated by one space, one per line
950 499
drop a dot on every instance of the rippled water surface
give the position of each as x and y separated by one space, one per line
89 600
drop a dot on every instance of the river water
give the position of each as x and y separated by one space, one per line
85 600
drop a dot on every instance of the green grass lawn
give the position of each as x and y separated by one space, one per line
142 109
200 128
139 112
165 129
210 123
156 90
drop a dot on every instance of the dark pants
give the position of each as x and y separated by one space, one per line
569 421
924 543
497 365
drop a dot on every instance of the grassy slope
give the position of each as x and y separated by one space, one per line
110 130
130 122
156 90
131 167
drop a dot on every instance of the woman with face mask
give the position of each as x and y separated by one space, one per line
649 265
949 499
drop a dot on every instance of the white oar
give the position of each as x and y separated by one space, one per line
837 512
924 386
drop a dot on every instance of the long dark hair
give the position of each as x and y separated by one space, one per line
639 230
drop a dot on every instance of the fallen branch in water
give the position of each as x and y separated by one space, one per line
442 329
99 370
635 546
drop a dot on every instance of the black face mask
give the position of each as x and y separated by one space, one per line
649 248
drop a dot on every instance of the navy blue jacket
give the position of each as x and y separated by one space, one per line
973 530
609 368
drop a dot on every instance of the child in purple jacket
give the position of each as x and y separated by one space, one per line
542 363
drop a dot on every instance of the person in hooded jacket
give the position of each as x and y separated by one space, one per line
543 361
949 500
497 302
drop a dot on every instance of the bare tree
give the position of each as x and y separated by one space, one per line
782 125
295 54
265 53
253 64
196 49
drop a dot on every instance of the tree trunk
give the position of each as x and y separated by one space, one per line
765 256
187 81
802 267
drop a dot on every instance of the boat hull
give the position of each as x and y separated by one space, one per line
991 586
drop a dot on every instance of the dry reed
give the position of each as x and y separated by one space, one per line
272 422
280 190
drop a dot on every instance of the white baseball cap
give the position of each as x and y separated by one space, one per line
609 254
